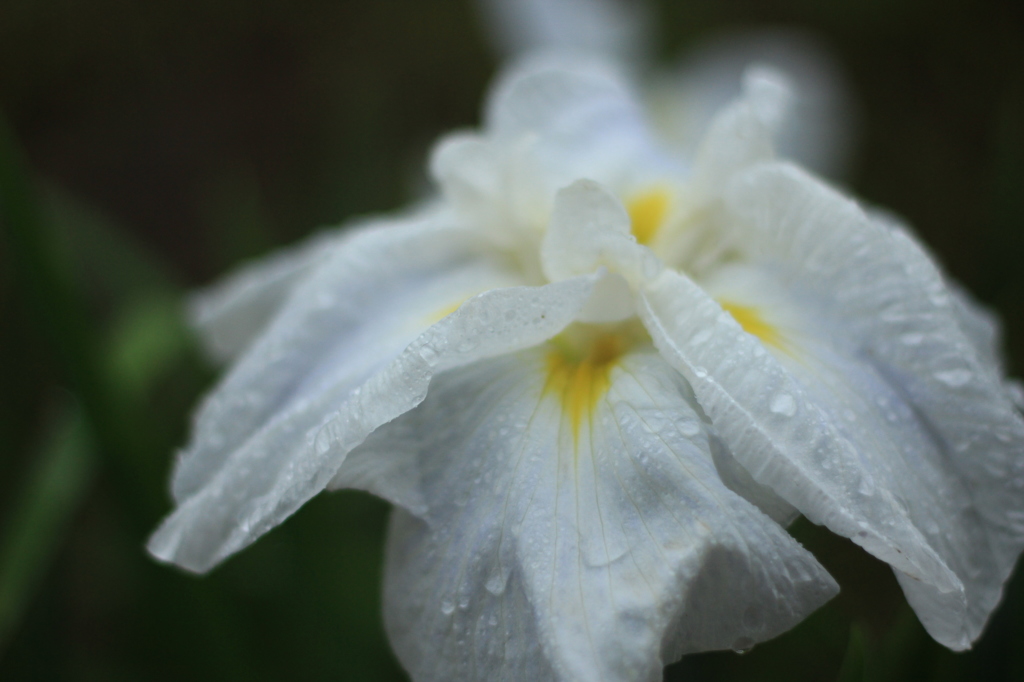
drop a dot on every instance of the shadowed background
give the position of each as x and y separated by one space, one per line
167 141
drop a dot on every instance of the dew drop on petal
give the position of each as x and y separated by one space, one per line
912 339
688 427
701 337
783 403
742 645
447 607
954 377
496 582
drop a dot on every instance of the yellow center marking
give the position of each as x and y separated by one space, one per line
750 319
647 212
579 377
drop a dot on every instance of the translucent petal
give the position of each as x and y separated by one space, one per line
588 122
742 133
232 312
739 135
550 553
818 130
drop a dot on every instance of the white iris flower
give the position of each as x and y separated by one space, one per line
597 381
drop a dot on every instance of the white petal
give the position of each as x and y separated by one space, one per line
587 120
980 325
775 429
298 446
589 229
741 134
378 290
232 312
545 555
929 477
898 456
609 27
498 188
818 130
883 289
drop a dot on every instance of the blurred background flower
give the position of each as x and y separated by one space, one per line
150 146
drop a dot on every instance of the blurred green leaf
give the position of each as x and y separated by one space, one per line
855 661
49 497
148 337
46 277
101 255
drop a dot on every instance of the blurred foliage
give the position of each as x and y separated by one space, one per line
166 141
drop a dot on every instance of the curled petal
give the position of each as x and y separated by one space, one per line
230 494
885 422
383 283
589 229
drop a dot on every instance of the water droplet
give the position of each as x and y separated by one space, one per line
783 404
496 583
688 427
701 337
912 339
954 377
447 608
700 372
742 645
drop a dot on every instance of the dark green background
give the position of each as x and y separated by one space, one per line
166 141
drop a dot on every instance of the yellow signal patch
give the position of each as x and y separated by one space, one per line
579 378
647 212
753 323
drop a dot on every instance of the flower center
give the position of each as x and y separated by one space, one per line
579 364
647 211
